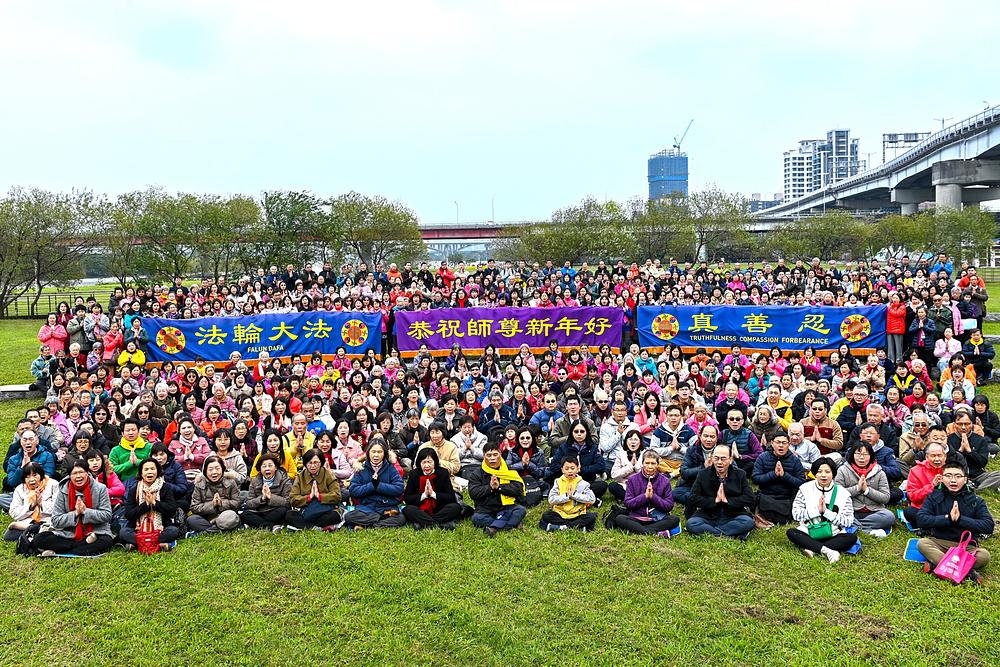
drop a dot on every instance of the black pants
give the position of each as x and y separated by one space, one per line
895 495
67 545
841 542
266 519
295 519
421 519
599 487
584 521
617 490
630 525
911 513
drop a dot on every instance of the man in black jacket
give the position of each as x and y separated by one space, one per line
949 511
496 491
722 499
974 450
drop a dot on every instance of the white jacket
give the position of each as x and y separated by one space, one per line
804 508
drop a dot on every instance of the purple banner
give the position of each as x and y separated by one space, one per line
507 328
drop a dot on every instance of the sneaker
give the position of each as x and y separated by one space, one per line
927 567
665 534
973 577
490 531
598 502
808 553
48 553
276 529
563 527
879 533
448 525
293 529
832 555
188 535
548 527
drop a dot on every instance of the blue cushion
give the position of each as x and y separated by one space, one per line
911 553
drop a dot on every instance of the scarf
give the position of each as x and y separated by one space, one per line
570 508
428 504
863 472
506 476
36 514
130 445
151 520
82 529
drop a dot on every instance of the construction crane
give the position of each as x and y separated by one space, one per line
678 142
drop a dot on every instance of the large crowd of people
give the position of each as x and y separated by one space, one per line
143 455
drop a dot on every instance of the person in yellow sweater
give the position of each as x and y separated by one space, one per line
131 355
569 500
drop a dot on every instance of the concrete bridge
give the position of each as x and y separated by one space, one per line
958 166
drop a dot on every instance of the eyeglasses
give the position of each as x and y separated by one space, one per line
735 419
953 476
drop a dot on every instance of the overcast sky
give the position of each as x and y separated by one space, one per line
536 104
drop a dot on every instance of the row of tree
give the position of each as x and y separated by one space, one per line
713 224
154 235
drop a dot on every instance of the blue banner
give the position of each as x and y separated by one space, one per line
761 327
279 334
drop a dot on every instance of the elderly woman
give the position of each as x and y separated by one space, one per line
81 517
868 485
648 499
430 498
149 507
824 511
189 449
220 399
216 500
315 495
375 491
269 495
32 502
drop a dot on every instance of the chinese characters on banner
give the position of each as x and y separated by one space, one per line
507 328
760 328
280 334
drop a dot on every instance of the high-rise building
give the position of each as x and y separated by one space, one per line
758 204
667 173
816 163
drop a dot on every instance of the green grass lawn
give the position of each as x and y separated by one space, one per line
19 339
400 597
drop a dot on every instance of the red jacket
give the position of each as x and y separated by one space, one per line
896 318
919 483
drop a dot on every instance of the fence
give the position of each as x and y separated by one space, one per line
24 307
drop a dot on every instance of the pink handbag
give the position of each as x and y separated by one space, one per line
957 562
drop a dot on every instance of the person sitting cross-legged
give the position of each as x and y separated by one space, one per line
570 497
778 473
949 511
722 498
648 499
496 491
824 511
868 485
430 498
81 517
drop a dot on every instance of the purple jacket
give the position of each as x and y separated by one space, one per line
635 496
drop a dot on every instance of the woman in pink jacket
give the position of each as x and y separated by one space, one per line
53 334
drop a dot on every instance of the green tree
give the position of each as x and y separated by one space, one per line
43 237
831 235
722 223
662 229
121 234
224 226
376 230
287 231
588 230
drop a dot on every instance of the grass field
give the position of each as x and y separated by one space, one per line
527 598
19 339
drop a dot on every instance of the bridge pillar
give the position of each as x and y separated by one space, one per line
908 209
948 195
